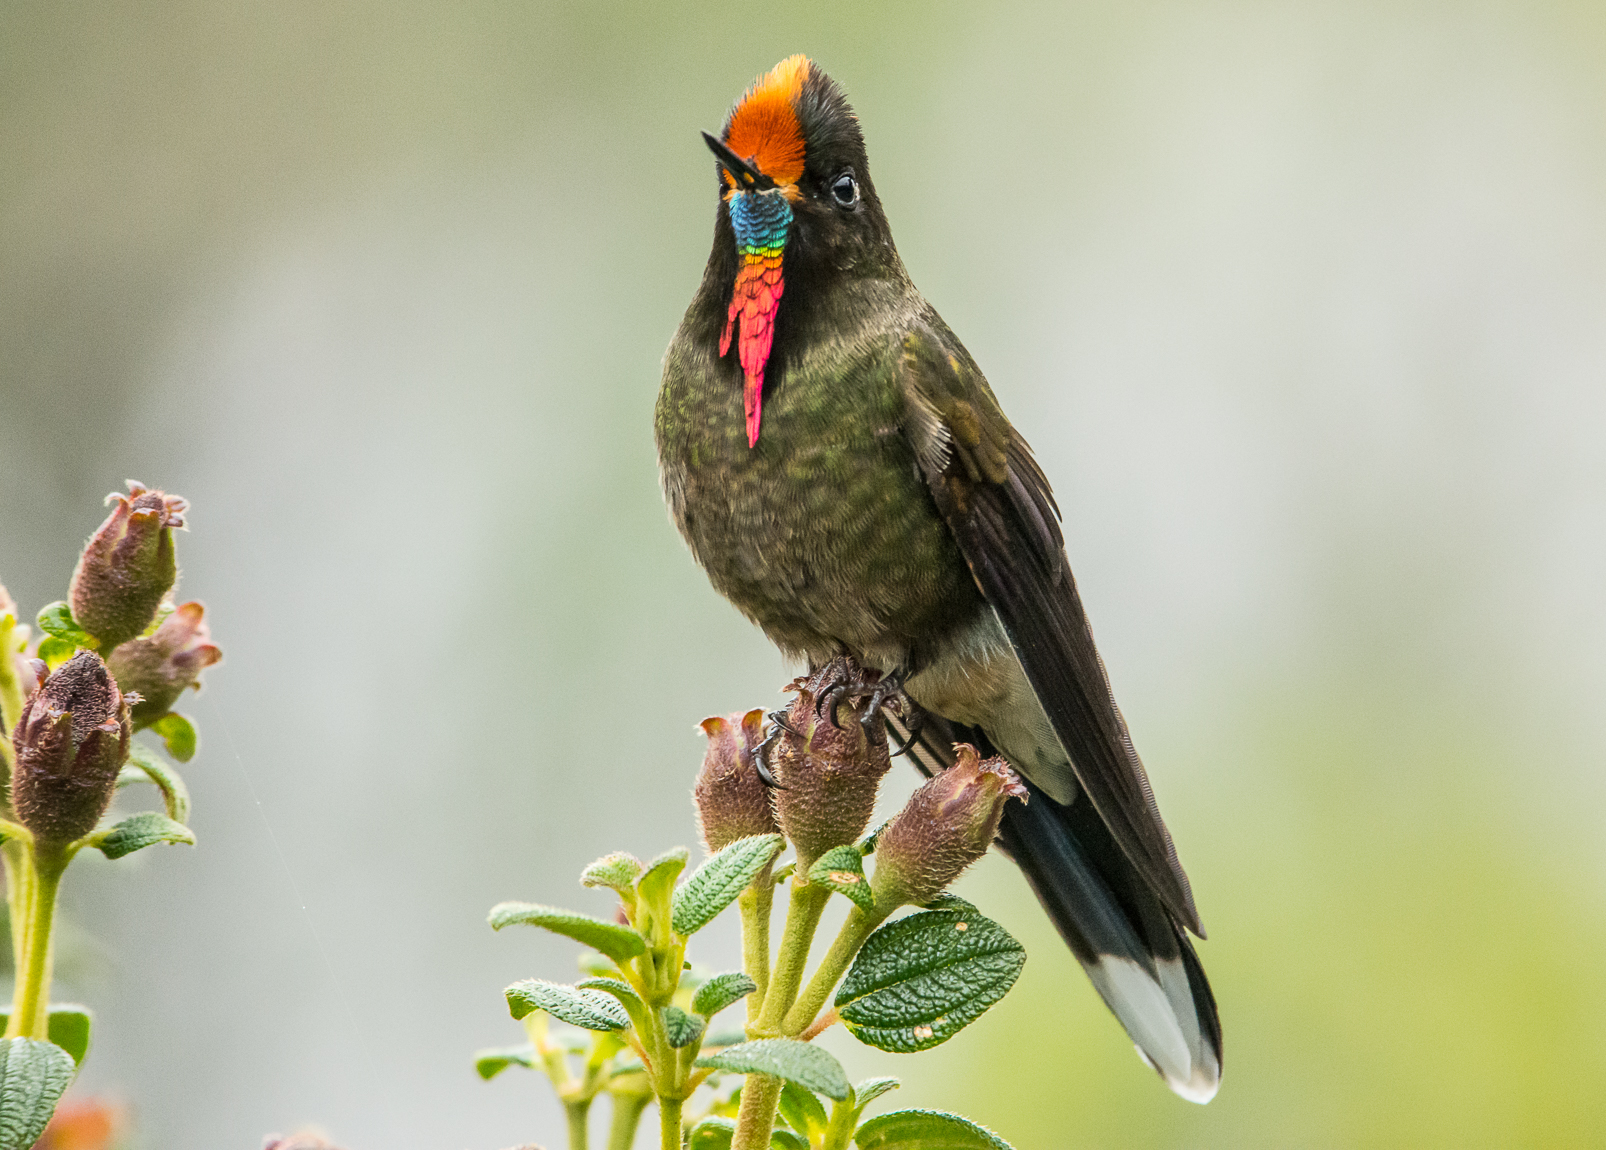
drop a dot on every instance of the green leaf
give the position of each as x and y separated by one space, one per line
589 1009
163 610
174 793
618 871
867 844
68 1027
717 883
870 1089
925 1130
683 1029
56 621
947 900
56 651
720 991
623 991
716 1134
842 870
803 1111
807 1065
137 832
490 1063
922 979
32 1076
179 735
711 1134
617 942
661 874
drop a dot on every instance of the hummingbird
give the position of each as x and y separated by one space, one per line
842 471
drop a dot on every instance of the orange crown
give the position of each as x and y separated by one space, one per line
764 130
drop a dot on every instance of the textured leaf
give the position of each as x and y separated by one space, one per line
32 1076
623 991
842 870
720 991
870 1089
716 1134
925 1130
617 942
179 735
589 1009
661 874
807 1065
683 1029
803 1111
711 1134
922 979
137 832
717 883
490 1063
174 793
618 871
868 842
56 621
67 1026
56 651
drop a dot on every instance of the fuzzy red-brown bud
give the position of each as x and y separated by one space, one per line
828 774
161 667
946 825
732 800
71 740
127 566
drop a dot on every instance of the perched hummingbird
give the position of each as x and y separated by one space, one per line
843 472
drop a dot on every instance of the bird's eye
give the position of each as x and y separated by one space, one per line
845 190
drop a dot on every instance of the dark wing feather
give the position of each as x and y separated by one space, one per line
996 501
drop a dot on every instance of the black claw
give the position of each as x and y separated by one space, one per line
761 762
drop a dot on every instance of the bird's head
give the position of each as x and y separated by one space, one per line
798 204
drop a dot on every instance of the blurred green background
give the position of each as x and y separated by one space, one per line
1303 307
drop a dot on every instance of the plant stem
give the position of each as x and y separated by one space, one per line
835 964
10 691
761 1093
30 1006
19 897
755 904
803 912
627 1110
840 1131
669 1123
756 1119
578 1112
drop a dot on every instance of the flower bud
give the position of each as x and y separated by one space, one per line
159 668
946 825
732 800
827 775
127 566
71 740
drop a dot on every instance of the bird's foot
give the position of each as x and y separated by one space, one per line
761 753
843 680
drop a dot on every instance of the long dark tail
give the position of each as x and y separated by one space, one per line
1137 956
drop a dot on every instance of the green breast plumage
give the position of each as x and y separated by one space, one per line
823 534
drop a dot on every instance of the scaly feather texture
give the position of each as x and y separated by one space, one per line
760 220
